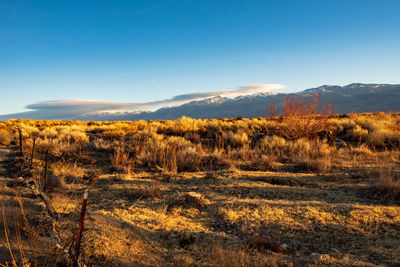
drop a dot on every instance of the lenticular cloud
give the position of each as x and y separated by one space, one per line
71 109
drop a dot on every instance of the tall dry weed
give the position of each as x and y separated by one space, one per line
303 118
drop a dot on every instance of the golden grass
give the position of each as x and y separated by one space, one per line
5 137
307 195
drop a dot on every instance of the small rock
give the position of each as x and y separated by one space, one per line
320 257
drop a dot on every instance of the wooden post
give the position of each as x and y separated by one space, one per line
33 151
20 142
44 180
79 237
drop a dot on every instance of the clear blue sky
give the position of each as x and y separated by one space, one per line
140 51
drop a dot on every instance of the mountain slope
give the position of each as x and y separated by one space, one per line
354 97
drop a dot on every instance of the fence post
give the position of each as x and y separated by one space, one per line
20 142
79 237
33 151
44 180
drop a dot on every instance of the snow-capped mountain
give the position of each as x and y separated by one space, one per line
355 97
209 101
321 89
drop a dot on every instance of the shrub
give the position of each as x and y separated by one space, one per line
5 137
236 139
383 137
189 159
48 132
304 118
357 133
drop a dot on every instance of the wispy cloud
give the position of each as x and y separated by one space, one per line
74 108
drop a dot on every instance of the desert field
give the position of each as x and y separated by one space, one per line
277 191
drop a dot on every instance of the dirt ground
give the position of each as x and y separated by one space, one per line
229 217
10 211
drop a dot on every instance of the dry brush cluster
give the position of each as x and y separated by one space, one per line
194 144
79 152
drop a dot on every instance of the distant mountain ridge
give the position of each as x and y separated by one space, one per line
355 97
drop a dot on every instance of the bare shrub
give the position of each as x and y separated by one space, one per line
304 118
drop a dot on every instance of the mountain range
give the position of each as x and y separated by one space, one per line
356 97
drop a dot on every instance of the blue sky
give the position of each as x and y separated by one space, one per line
143 51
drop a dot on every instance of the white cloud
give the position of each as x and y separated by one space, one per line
70 109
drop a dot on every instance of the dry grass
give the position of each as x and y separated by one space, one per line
238 257
204 193
5 137
24 234
387 185
122 161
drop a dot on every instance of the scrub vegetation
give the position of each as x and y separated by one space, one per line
299 189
